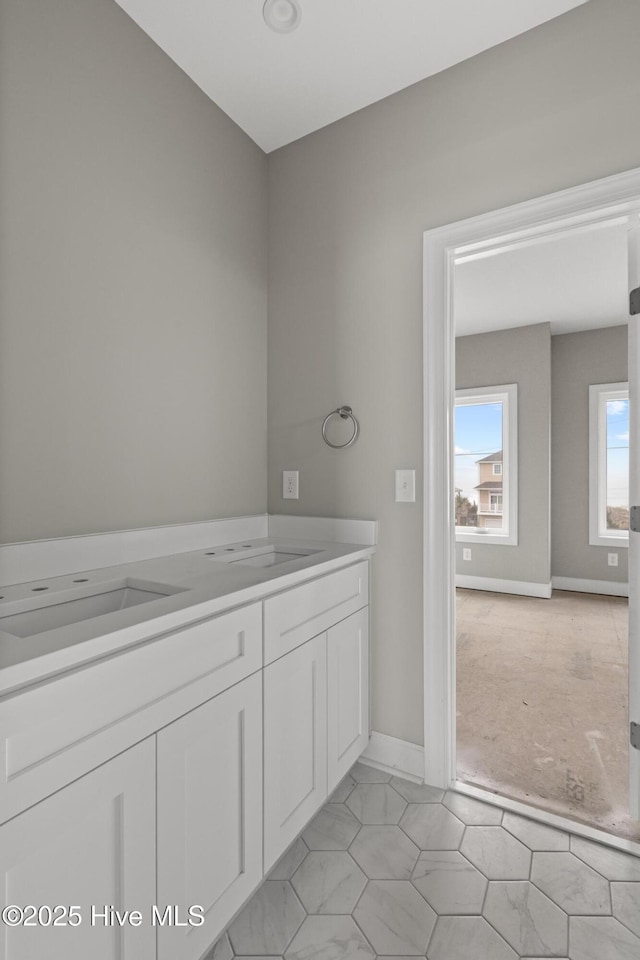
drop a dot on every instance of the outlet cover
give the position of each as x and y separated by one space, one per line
290 485
466 553
612 559
405 486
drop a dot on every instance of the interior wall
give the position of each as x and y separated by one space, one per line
132 283
522 356
578 360
347 209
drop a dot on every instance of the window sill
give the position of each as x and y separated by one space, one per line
609 541
489 539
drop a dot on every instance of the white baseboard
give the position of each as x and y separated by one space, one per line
399 757
521 588
607 587
333 529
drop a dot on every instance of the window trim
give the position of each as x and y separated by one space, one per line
599 394
507 394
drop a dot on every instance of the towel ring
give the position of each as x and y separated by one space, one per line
347 414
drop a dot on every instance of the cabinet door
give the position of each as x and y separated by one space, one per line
92 843
210 815
295 744
347 694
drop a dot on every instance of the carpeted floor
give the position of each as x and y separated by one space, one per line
542 702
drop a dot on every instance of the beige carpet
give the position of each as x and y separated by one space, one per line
542 702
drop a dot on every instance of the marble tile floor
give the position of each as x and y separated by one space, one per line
393 869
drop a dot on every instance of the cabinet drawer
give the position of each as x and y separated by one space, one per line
55 732
293 617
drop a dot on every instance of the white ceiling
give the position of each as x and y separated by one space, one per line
577 281
344 55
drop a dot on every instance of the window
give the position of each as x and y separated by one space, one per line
609 464
485 472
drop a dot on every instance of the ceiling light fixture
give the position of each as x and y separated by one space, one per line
283 16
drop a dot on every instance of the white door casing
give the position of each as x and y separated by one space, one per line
634 538
579 208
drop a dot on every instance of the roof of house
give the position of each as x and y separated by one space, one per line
492 458
489 485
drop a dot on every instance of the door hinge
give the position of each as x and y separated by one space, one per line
634 519
634 735
634 301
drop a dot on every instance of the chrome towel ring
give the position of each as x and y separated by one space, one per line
347 414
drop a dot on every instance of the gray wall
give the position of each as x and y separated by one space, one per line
348 206
521 356
578 360
132 283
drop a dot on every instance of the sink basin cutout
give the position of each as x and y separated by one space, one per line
272 556
50 616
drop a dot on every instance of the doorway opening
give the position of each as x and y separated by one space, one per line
526 313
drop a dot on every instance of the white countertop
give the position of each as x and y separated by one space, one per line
209 581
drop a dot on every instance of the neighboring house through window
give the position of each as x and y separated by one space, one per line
486 464
609 464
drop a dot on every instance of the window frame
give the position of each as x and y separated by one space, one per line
599 394
507 394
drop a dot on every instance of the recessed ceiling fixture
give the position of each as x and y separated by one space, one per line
283 16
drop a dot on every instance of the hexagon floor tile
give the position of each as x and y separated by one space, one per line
597 938
432 827
445 882
626 905
290 861
496 853
328 881
267 924
376 803
384 853
612 864
449 883
395 918
473 812
463 938
332 829
536 836
528 921
571 884
362 773
416 792
329 938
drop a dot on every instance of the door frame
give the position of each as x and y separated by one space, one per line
579 208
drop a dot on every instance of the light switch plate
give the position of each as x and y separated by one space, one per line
405 486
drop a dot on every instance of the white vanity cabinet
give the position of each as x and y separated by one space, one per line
92 843
210 815
316 698
295 744
347 694
229 731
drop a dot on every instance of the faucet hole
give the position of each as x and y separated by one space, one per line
210 553
246 546
82 580
39 589
229 549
